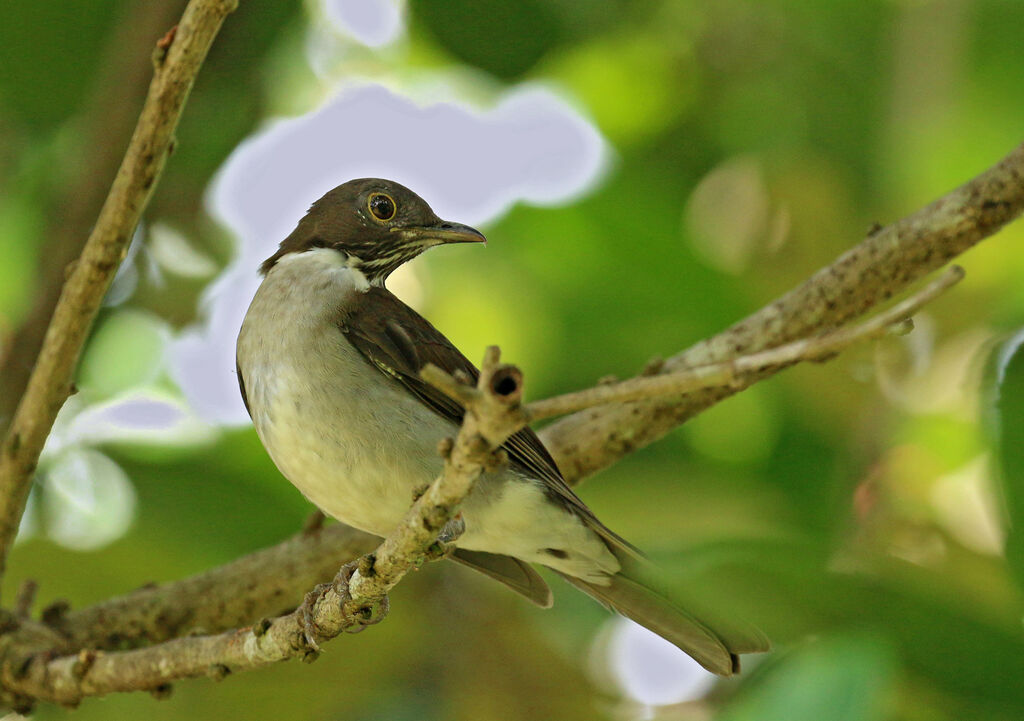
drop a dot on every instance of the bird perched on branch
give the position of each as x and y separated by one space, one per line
329 367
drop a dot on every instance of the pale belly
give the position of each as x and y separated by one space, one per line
355 461
358 445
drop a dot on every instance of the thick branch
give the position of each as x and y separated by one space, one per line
50 383
261 584
884 264
741 370
492 414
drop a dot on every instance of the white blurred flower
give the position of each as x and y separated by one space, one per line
650 670
371 22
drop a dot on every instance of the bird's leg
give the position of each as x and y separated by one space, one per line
357 618
361 615
309 628
444 546
452 530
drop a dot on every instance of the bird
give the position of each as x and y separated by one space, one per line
328 363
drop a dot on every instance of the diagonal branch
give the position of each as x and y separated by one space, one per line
105 124
90 276
882 265
492 414
738 370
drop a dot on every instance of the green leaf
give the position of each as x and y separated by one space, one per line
505 39
1008 423
840 679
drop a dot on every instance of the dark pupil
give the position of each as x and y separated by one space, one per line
382 207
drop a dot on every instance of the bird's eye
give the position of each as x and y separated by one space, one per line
382 206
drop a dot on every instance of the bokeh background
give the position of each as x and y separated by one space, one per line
647 172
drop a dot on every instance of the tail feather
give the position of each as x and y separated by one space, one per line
715 647
517 575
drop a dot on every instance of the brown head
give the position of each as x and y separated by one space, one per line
377 223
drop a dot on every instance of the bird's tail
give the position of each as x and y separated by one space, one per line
713 644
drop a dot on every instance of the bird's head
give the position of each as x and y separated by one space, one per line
376 223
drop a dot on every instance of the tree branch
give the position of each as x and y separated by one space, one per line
262 584
151 143
493 413
740 370
883 264
158 614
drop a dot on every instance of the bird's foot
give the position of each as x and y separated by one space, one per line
357 617
314 522
309 629
452 530
366 614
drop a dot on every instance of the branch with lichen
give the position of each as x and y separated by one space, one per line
493 413
177 60
739 371
884 264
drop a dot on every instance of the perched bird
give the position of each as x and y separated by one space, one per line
328 364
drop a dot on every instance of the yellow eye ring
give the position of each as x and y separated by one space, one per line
381 206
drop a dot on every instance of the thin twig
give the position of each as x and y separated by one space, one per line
50 383
733 371
493 414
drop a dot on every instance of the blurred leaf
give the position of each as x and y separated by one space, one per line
88 500
839 679
659 79
1009 428
36 38
504 38
125 351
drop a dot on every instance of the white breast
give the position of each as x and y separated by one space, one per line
358 445
319 408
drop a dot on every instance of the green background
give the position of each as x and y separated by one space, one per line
855 509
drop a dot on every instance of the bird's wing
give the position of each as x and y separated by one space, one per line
398 341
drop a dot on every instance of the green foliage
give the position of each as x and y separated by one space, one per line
1009 427
842 679
847 508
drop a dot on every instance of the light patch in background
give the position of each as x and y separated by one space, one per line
149 417
171 251
729 216
924 374
651 670
965 503
471 166
87 500
371 22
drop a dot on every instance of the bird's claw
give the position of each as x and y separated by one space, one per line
359 617
309 629
365 615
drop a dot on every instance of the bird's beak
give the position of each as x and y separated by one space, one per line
445 232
